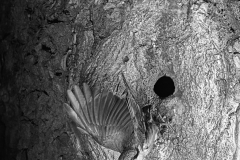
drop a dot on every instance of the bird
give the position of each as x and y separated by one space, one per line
113 122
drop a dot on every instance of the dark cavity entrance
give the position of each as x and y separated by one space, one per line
164 87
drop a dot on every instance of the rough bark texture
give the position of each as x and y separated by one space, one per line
48 45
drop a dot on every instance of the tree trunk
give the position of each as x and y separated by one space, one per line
46 46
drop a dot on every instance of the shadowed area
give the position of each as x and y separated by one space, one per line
164 87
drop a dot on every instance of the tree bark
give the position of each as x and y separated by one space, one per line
46 46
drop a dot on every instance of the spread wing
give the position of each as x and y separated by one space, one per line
102 115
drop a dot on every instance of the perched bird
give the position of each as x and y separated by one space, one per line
112 122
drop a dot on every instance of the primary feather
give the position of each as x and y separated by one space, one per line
112 122
103 115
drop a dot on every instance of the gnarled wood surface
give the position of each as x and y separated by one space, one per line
48 45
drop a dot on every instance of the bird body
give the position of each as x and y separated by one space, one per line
109 120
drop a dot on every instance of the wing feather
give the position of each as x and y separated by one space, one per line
127 122
122 113
102 115
79 95
88 97
96 108
102 106
82 101
87 92
115 112
73 100
109 109
77 130
96 91
112 108
122 116
95 101
73 115
105 110
76 106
